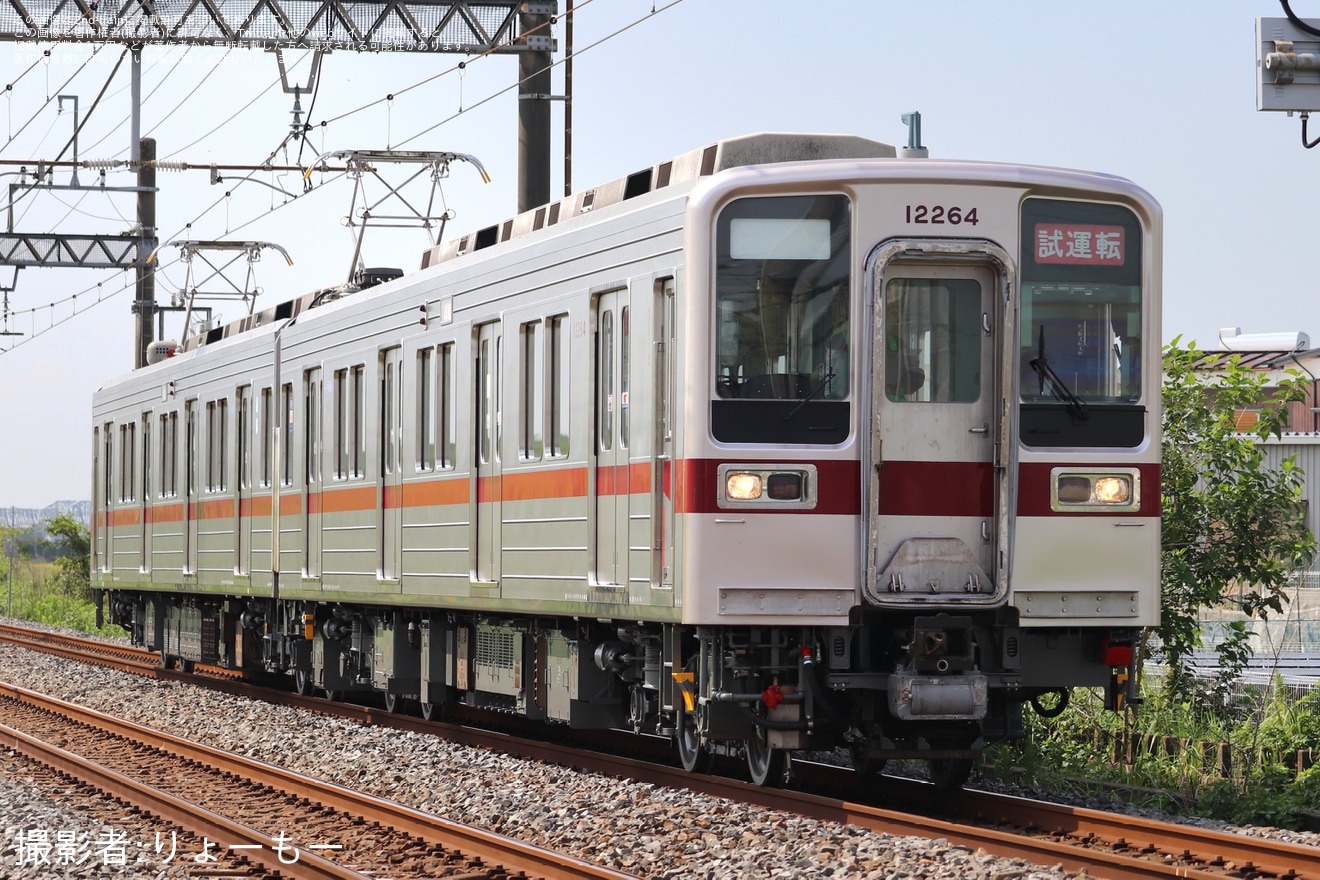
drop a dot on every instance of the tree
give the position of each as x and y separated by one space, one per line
1233 530
74 548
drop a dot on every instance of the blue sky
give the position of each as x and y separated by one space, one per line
1161 93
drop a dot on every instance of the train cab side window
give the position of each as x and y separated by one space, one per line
782 320
1081 333
557 389
530 391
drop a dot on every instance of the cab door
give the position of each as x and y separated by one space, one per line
938 492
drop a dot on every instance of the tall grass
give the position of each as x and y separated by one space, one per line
37 593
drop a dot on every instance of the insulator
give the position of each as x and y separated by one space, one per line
169 166
102 163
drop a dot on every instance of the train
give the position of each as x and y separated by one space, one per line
786 443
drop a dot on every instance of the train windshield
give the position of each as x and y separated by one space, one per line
1080 338
782 283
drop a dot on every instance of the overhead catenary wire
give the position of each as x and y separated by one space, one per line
268 166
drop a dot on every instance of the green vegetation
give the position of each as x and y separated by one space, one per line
1233 535
45 576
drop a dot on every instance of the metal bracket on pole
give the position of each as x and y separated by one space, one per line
363 162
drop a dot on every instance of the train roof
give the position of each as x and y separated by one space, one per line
754 149
765 148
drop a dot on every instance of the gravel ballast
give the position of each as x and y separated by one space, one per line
634 827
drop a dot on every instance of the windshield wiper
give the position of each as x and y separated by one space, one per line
802 401
1076 406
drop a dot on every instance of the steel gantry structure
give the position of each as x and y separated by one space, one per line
474 27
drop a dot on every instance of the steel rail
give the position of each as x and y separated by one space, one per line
1091 827
170 808
514 855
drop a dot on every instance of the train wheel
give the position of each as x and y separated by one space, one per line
691 752
302 682
334 695
949 773
429 711
765 764
394 703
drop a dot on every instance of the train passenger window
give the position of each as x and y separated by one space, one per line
933 340
530 392
216 447
350 445
445 388
426 421
558 387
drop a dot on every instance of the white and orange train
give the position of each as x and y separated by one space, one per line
784 443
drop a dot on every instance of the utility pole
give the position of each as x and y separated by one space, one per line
145 305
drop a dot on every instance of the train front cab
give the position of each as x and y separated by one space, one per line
1007 453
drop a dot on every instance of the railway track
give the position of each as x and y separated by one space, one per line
285 822
1105 844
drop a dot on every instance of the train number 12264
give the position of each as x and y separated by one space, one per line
940 214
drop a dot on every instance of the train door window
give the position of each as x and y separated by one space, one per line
342 431
485 400
98 503
445 388
126 462
499 396
146 456
558 376
388 417
312 434
530 392
933 333
243 438
286 450
425 418
265 428
169 455
107 476
190 449
605 382
625 345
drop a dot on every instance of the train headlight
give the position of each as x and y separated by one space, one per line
742 486
767 486
1115 490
